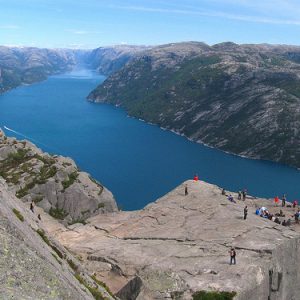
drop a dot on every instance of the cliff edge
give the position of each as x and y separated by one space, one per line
52 182
178 246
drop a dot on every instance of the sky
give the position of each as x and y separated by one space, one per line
89 24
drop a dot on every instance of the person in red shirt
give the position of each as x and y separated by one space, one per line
196 178
276 200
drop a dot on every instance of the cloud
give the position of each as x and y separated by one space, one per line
9 26
212 13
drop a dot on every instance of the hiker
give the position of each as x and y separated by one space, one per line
245 212
297 217
276 200
283 200
244 194
232 256
295 203
39 217
230 198
239 195
223 192
32 207
196 178
283 223
185 190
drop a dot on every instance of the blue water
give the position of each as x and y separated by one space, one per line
138 162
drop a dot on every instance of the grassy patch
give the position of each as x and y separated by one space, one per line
71 179
72 265
18 214
213 295
103 284
44 237
94 291
57 213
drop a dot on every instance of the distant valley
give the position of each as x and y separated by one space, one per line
27 65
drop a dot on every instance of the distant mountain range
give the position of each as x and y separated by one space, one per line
27 65
244 99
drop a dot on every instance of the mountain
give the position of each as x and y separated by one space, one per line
243 99
107 60
52 182
27 65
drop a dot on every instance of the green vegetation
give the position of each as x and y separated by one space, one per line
93 290
57 213
42 234
44 237
213 295
101 205
73 266
25 190
18 214
58 260
103 284
76 221
38 199
71 179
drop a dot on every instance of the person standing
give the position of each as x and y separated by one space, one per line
185 190
232 256
283 200
276 200
32 207
245 212
196 178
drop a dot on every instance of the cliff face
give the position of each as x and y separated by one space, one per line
52 182
107 60
239 98
32 264
178 246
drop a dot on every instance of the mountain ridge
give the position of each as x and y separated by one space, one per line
242 99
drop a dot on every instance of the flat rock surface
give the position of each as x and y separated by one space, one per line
180 244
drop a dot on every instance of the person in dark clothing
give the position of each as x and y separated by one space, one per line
277 220
245 212
297 217
223 192
185 190
232 256
32 207
39 217
239 195
283 200
244 193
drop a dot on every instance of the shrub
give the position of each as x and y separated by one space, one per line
18 214
213 295
71 179
57 213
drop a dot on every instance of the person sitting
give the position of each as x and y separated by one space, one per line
288 222
277 220
283 223
223 192
281 213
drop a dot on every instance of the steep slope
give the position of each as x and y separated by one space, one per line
243 99
52 182
107 60
32 264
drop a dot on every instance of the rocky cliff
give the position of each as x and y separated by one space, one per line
107 60
52 182
177 248
34 266
243 99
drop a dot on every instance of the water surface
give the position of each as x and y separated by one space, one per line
138 162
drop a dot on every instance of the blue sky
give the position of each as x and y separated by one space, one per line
94 23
